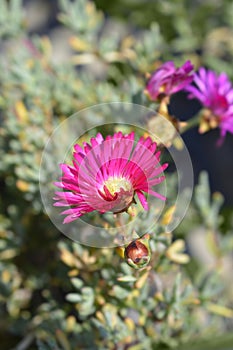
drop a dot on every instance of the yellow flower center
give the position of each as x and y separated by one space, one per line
124 187
114 184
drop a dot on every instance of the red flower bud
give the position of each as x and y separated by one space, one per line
137 253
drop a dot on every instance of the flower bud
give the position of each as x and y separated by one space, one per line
208 121
137 253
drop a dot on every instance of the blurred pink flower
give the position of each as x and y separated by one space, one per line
107 174
215 92
168 79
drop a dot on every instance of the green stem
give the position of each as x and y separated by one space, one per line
120 227
195 121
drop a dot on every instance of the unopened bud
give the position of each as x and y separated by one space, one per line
137 253
208 121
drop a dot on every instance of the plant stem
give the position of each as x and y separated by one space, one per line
120 226
25 342
191 123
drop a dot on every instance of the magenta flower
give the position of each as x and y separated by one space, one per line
215 92
168 79
107 174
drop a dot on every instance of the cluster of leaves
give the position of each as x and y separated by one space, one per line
201 30
55 294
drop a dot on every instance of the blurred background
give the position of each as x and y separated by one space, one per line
58 57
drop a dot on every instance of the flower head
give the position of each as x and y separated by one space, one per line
107 174
168 79
215 92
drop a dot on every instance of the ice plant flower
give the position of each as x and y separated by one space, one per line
137 253
168 79
215 92
108 174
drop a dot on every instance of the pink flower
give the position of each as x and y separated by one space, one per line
168 79
215 92
107 174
